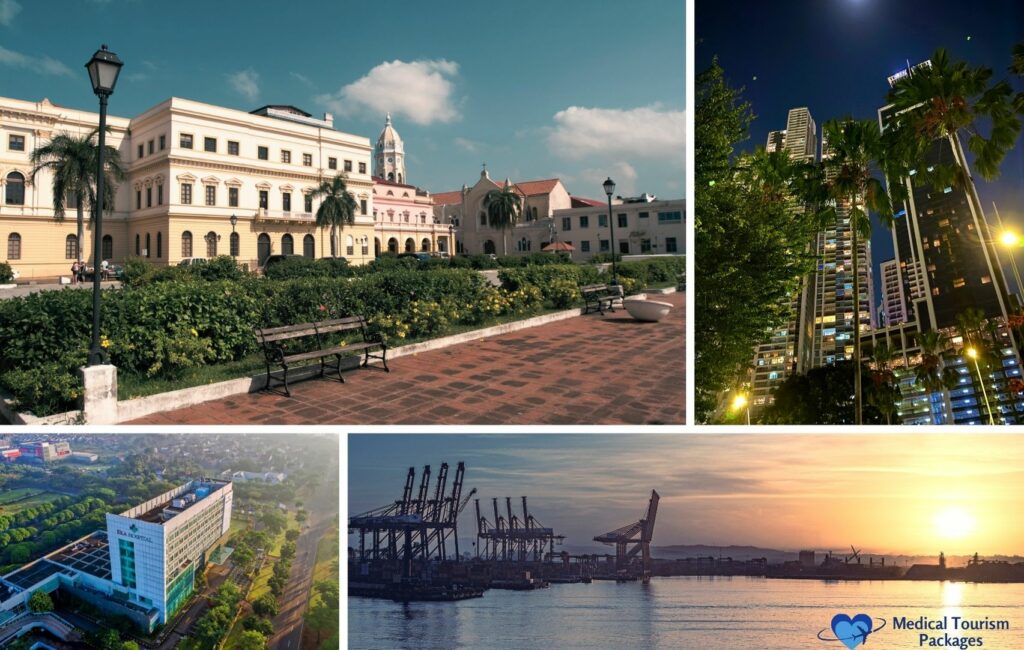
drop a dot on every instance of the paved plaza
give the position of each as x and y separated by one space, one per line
590 369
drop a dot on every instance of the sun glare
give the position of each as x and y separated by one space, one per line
954 523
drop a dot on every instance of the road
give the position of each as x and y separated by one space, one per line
288 623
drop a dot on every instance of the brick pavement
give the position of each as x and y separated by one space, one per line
587 370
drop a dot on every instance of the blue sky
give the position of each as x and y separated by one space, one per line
777 491
467 83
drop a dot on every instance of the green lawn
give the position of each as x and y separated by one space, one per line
36 499
17 493
326 553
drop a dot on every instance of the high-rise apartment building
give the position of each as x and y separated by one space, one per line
801 135
776 141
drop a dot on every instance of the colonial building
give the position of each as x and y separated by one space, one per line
403 214
643 226
191 168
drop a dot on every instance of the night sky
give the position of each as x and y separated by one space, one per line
834 56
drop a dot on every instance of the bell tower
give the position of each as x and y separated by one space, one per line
389 154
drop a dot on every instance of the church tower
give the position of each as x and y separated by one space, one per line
389 155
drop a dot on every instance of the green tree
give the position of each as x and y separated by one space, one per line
504 208
40 602
884 394
265 606
329 594
338 208
855 149
73 161
322 619
301 516
291 534
129 645
252 640
822 395
261 625
272 520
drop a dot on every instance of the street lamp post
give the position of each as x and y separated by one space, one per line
609 189
234 222
104 67
451 240
741 403
973 354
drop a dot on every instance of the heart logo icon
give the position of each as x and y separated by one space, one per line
852 631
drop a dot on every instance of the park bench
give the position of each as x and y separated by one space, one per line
273 341
598 297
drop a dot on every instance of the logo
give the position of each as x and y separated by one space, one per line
133 528
851 632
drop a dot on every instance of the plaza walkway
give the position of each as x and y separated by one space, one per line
586 370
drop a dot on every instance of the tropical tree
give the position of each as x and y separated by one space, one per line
1017 68
73 161
932 373
503 207
338 208
855 151
884 393
40 602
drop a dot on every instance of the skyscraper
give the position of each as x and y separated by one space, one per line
801 134
776 141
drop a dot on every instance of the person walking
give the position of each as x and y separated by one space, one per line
75 270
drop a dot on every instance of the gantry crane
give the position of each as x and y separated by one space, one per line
634 539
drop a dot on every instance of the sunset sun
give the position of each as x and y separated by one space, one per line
954 522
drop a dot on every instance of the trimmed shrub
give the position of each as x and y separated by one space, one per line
6 273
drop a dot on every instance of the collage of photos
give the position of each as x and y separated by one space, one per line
601 324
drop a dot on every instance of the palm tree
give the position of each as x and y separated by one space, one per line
72 160
932 373
1017 68
884 393
855 149
338 208
503 209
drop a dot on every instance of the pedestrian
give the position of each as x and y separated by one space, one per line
74 272
81 271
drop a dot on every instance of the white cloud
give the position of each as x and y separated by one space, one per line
467 145
419 90
39 65
302 78
8 10
590 180
649 133
246 83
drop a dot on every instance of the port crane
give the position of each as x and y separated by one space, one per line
634 539
511 538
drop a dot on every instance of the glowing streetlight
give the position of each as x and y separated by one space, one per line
973 354
1011 241
1009 238
741 403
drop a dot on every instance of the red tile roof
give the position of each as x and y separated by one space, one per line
447 198
531 188
382 181
583 202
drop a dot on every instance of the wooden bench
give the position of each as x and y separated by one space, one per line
272 340
597 297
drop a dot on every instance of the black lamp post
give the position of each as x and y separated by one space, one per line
234 222
609 189
104 67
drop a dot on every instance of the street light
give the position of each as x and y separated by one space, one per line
234 222
609 189
741 403
104 68
1012 240
973 354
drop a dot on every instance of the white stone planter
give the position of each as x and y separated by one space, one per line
648 311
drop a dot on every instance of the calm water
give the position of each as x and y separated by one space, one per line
703 613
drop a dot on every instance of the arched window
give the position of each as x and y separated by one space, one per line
309 246
71 247
108 246
489 247
234 244
211 244
159 245
350 248
287 244
14 246
15 189
392 245
262 248
138 245
410 245
376 247
425 245
399 178
186 244
148 251
391 177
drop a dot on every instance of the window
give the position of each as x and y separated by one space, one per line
264 199
159 245
350 248
670 217
185 141
108 247
602 221
16 143
623 221
138 246
584 246
234 244
362 168
159 194
602 245
287 245
645 245
624 247
584 221
348 165
307 202
670 245
262 248
309 246
163 142
147 245
138 199
186 193
332 163
232 148
233 197
566 223
959 282
141 152
307 160
186 244
286 156
263 153
14 246
71 247
211 244
366 246
15 194
149 146
644 215
149 197
483 218
210 144
362 206
211 195
286 201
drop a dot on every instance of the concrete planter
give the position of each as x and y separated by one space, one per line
648 311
